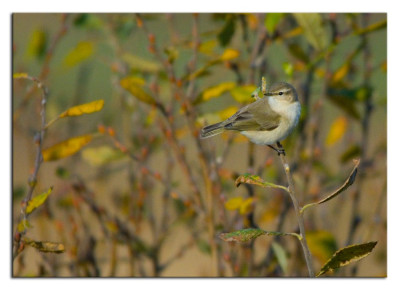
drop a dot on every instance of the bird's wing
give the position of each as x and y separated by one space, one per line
254 117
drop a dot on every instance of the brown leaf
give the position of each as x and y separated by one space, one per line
349 181
47 247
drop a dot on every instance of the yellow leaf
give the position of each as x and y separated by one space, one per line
242 94
214 91
341 72
151 117
252 20
23 225
87 108
272 209
47 247
20 75
101 155
112 227
182 132
66 148
228 112
207 47
140 64
134 86
37 201
38 43
337 130
80 53
229 54
247 206
234 203
217 90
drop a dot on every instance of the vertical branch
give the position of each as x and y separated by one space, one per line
299 216
38 139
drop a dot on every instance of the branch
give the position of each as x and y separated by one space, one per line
38 139
299 216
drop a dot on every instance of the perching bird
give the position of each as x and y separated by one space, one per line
267 121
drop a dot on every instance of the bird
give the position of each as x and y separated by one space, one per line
266 121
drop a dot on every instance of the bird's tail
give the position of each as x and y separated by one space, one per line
212 130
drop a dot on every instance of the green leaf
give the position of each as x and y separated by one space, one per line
227 32
37 201
135 87
242 236
254 179
81 52
347 255
272 20
349 181
46 247
313 29
281 256
66 148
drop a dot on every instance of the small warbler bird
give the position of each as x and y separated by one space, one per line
267 121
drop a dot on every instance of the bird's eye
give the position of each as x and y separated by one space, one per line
280 93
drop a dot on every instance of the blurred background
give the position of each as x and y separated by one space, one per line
146 196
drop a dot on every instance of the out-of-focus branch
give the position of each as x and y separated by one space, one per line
355 219
45 67
170 133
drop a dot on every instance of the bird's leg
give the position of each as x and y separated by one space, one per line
280 150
